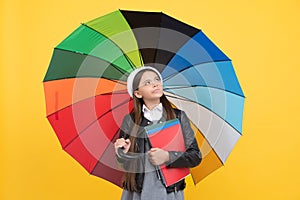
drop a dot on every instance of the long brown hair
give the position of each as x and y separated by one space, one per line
129 182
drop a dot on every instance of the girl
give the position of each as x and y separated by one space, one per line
142 179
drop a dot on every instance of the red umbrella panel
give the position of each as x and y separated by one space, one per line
86 122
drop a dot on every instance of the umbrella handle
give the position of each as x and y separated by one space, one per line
128 156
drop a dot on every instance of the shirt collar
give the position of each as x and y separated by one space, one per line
157 108
154 114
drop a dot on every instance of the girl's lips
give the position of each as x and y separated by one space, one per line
156 91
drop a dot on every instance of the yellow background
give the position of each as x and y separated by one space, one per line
262 39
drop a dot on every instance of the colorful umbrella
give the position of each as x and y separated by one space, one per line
86 96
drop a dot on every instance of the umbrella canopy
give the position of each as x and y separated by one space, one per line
86 95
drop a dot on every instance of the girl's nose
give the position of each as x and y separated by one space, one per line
155 83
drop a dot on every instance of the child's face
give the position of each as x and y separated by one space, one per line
150 87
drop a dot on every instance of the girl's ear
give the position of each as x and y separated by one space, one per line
137 94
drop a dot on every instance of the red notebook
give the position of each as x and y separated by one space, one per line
168 136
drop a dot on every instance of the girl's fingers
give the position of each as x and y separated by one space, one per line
158 156
127 141
120 142
153 150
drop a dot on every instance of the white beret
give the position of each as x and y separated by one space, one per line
134 73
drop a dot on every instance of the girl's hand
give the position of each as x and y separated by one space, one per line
121 142
158 156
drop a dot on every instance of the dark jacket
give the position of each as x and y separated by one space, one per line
190 158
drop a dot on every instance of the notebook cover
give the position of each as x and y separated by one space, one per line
168 136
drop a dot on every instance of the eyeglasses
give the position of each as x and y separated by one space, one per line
148 82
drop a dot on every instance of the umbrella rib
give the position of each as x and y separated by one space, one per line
201 63
189 100
157 41
193 86
141 58
82 77
70 77
127 58
102 94
79 133
180 98
116 81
